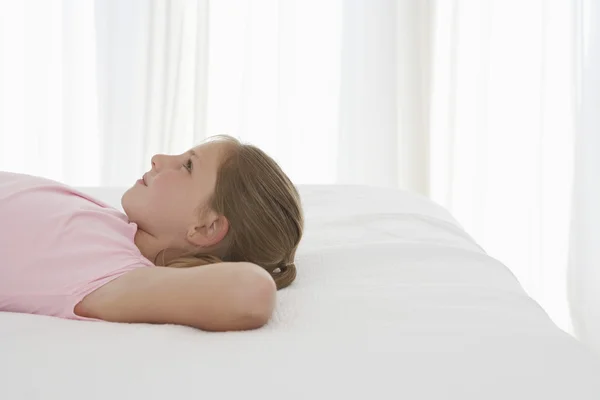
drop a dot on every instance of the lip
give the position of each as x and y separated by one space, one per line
142 181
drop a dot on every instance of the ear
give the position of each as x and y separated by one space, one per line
208 232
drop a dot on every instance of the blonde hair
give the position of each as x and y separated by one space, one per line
264 211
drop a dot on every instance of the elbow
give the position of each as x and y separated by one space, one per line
258 299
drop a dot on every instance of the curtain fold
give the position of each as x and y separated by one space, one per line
383 130
584 268
415 36
367 145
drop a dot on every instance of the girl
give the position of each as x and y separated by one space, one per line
223 218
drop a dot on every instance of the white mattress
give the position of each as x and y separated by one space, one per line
393 300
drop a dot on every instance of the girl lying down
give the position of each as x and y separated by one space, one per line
207 238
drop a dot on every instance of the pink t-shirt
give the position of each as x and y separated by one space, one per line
57 245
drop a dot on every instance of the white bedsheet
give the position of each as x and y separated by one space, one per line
393 300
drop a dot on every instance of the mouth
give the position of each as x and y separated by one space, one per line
142 181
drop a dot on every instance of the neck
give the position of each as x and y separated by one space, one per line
148 244
151 246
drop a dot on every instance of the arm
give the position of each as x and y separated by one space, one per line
216 297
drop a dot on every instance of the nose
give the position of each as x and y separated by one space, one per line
159 161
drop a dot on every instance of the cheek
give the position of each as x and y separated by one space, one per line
162 192
147 205
168 198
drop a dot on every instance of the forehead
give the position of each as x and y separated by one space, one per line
210 153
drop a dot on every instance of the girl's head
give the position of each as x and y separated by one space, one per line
222 200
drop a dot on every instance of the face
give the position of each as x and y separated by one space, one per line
165 202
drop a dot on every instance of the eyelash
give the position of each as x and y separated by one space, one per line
188 165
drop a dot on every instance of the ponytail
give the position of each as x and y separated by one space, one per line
285 276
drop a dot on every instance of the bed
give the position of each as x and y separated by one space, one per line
393 300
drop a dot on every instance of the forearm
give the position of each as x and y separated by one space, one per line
215 297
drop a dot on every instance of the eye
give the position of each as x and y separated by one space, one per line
188 165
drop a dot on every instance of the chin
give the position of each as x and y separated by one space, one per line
125 203
134 208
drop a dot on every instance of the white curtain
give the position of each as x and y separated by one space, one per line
501 140
584 269
472 103
152 81
89 90
48 105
